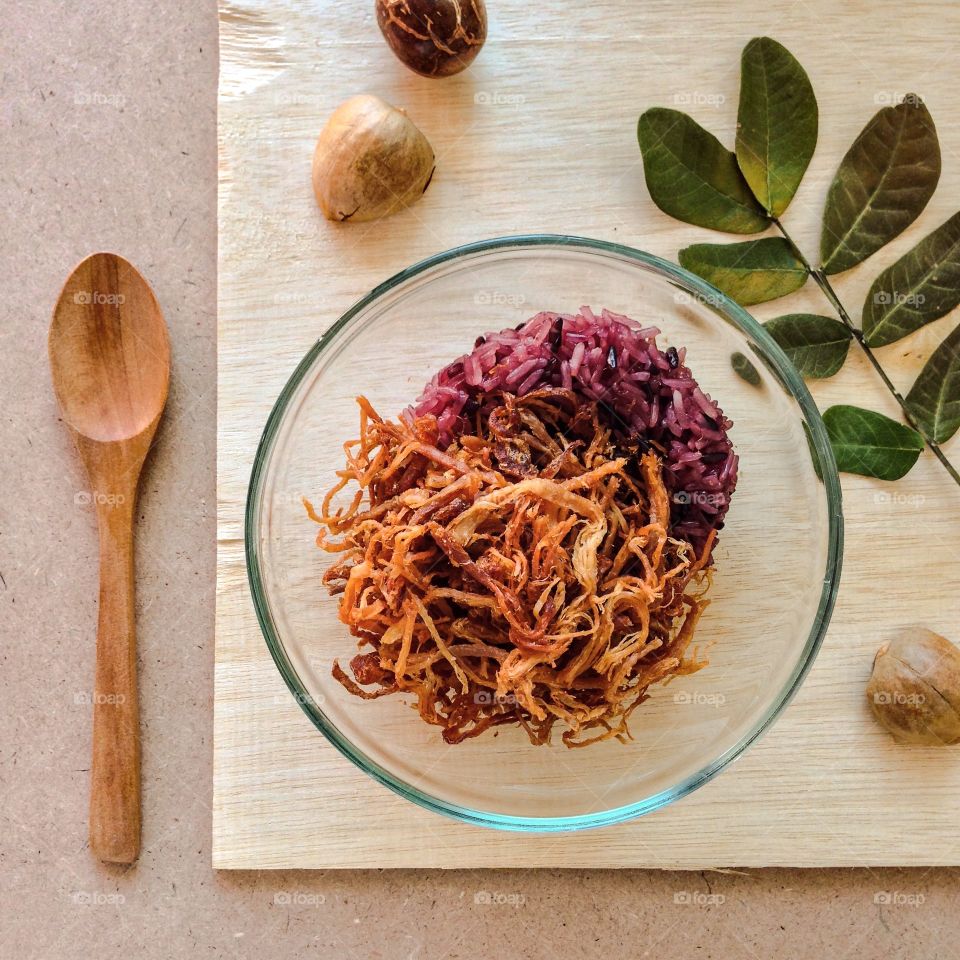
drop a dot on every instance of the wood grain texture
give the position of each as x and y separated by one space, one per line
110 360
539 135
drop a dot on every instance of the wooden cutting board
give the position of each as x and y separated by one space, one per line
539 135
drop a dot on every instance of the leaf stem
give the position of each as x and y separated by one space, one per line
823 282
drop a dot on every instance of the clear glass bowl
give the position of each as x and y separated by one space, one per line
777 563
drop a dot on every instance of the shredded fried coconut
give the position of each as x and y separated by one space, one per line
523 575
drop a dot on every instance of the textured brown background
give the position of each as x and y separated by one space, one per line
109 143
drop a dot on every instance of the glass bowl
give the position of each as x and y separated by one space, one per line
777 562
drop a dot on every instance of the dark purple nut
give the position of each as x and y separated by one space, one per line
435 38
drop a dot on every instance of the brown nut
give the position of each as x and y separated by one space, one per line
435 38
914 691
370 161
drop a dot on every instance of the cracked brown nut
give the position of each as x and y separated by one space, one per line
435 38
370 161
914 691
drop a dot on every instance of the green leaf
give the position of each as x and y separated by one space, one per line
922 286
693 177
750 272
934 400
776 123
871 444
744 369
816 345
883 184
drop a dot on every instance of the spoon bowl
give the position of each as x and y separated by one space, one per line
109 350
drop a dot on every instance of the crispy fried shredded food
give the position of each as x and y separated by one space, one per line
524 575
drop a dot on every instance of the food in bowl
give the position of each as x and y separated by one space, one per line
531 542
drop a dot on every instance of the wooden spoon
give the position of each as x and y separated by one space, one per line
110 358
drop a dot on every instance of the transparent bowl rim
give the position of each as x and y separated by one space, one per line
819 441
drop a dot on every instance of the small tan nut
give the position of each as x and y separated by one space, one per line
914 691
370 161
435 38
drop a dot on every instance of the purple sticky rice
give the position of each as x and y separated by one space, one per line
648 395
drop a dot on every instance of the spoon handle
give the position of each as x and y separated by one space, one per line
115 768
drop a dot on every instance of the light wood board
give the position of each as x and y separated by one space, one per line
539 135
